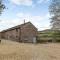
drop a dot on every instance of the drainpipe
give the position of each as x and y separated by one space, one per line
19 34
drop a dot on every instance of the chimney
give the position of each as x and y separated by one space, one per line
24 21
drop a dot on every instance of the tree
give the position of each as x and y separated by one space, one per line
54 10
56 35
2 6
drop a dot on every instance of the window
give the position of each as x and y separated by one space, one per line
16 30
16 36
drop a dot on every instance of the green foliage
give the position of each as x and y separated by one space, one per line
54 10
54 7
56 35
53 35
44 36
2 6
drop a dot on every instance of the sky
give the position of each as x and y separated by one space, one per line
35 11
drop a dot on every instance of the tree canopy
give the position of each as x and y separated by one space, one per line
54 7
2 6
54 10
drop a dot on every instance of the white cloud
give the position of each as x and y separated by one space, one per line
43 1
28 17
22 2
38 21
5 24
41 22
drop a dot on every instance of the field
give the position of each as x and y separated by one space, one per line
10 50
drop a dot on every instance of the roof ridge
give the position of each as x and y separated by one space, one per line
18 26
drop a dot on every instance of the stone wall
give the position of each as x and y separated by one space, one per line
28 33
25 33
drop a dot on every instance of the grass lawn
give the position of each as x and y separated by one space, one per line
10 50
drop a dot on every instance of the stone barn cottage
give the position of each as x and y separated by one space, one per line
0 34
26 32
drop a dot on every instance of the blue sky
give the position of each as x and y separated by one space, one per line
35 11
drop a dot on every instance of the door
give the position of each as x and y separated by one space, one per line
34 40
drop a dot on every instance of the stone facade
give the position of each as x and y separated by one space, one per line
26 32
0 35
